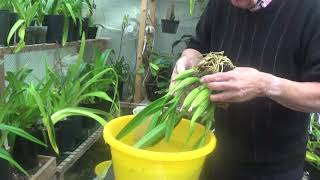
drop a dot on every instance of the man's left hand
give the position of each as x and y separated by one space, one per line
238 85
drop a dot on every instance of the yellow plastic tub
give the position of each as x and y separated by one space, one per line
165 161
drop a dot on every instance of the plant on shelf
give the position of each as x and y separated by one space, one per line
27 12
6 5
70 10
313 147
170 24
156 71
7 130
68 90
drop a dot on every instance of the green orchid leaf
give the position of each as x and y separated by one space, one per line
21 133
6 156
15 28
79 111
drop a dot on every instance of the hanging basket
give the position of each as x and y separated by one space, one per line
169 26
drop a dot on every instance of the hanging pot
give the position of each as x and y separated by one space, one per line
169 26
55 24
4 27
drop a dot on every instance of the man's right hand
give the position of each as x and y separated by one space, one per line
188 59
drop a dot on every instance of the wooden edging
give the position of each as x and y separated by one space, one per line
48 169
65 165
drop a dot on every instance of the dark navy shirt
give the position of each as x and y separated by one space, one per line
282 39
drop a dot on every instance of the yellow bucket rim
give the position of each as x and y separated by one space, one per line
156 156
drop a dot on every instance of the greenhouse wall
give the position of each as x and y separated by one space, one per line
112 15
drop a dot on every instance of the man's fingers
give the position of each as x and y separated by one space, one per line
218 77
227 96
221 86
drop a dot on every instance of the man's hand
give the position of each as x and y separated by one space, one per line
189 59
238 85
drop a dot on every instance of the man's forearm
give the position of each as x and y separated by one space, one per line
300 96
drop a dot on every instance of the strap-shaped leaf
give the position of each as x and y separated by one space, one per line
21 133
45 118
6 156
98 94
71 12
142 116
78 111
192 6
14 29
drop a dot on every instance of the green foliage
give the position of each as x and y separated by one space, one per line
27 12
157 71
6 5
19 132
313 146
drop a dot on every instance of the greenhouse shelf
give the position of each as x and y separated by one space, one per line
99 43
74 156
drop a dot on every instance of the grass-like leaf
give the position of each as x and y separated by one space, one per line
6 156
142 116
21 133
77 111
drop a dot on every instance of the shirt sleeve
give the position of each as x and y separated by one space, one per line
311 48
201 42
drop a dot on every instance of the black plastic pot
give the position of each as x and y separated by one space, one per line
68 133
25 152
55 24
89 123
85 26
30 37
92 32
4 170
41 34
76 30
71 30
36 35
4 27
13 17
314 173
169 26
120 89
151 90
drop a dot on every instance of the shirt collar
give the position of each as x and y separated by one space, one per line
260 5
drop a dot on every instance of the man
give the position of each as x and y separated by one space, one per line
276 46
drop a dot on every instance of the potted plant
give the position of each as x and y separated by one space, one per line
23 113
170 24
5 7
7 130
312 165
157 72
54 19
107 83
27 13
63 17
68 90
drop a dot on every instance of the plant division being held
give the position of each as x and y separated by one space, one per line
167 111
